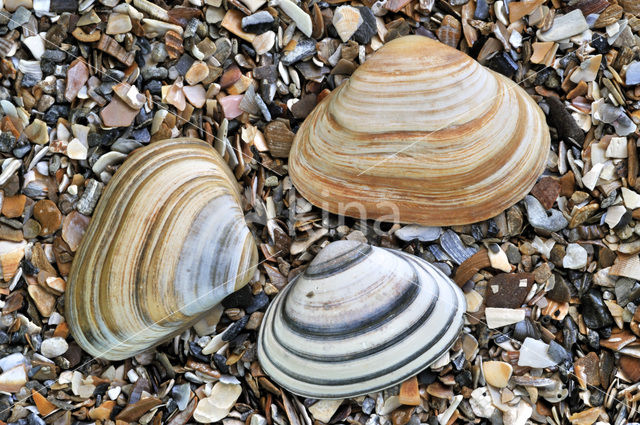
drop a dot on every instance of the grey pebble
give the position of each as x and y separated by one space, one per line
550 221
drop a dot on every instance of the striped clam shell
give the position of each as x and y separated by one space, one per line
358 320
166 243
421 133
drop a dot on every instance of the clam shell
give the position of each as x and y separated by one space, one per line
358 320
166 243
421 133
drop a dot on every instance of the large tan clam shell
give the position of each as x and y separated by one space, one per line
359 319
166 243
421 133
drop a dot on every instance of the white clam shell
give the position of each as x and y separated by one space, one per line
358 320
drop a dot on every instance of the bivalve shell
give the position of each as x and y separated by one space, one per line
421 133
358 320
166 243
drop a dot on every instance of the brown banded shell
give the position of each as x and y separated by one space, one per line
421 133
166 243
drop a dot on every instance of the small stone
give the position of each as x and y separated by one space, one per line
323 410
35 44
299 16
632 76
481 403
565 26
534 353
298 50
575 257
264 42
45 302
615 214
630 367
19 18
89 197
586 417
53 347
48 215
279 138
346 20
496 373
539 218
561 119
196 73
196 95
218 405
499 317
73 228
410 392
594 311
77 76
119 23
588 70
587 370
231 106
368 28
450 32
631 199
14 379
508 290
617 148
416 232
36 132
258 23
13 206
77 150
118 114
232 22
546 191
498 258
133 412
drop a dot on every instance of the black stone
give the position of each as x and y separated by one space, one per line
464 378
266 72
233 330
258 302
562 120
154 87
503 63
196 351
54 55
34 419
5 407
427 377
593 338
597 398
558 353
482 10
305 48
7 142
29 268
240 299
157 72
368 28
560 292
259 22
594 312
600 43
458 362
63 6
4 337
183 65
221 363
30 80
569 333
55 112
141 135
22 148
525 329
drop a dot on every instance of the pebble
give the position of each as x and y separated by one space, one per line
48 215
196 95
632 77
302 49
499 317
415 232
368 28
595 313
534 353
197 73
14 379
497 373
299 16
550 221
575 257
35 44
77 76
118 23
264 42
323 410
53 347
118 114
498 258
565 26
258 23
508 290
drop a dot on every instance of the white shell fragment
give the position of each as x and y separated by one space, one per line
499 317
358 320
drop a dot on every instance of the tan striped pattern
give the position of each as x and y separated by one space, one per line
469 142
167 242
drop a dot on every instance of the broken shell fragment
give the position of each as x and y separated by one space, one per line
166 243
418 135
358 320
